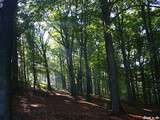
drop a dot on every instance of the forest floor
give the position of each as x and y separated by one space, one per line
61 106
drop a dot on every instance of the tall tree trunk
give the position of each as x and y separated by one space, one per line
71 71
79 79
95 81
85 52
62 73
98 71
113 82
47 70
125 60
7 16
14 66
131 74
31 44
67 41
135 72
88 72
96 74
141 66
34 70
21 59
24 62
152 43
112 74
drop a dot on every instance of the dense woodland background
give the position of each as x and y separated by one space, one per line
105 48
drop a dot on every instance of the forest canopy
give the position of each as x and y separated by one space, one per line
104 48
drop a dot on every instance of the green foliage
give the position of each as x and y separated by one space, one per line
65 23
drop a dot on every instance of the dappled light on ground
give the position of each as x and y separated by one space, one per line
60 106
36 105
138 117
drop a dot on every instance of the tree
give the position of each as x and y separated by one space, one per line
127 69
106 7
43 51
81 33
32 48
7 17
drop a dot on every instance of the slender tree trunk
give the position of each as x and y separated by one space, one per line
141 67
79 79
47 70
97 81
34 70
88 73
125 61
24 62
98 71
113 82
85 51
31 44
21 59
143 82
136 82
152 44
70 71
62 74
131 75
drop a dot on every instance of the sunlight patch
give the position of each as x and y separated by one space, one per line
135 116
58 94
148 110
35 105
89 103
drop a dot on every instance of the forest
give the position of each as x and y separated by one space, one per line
80 59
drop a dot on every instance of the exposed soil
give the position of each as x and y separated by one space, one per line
61 106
